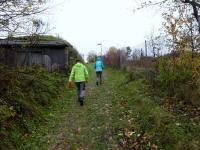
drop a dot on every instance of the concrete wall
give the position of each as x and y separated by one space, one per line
53 58
57 56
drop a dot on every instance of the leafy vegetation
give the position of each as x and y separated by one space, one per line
26 96
178 77
150 126
120 114
175 76
91 58
26 93
38 38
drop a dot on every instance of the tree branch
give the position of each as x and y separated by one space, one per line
193 3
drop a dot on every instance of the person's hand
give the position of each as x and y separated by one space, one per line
70 84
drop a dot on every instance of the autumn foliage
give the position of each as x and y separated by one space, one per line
178 76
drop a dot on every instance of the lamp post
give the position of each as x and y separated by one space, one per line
101 47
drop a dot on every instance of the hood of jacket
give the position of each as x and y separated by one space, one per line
98 58
78 64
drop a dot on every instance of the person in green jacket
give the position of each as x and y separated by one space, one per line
79 75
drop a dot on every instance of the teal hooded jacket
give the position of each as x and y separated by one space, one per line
99 66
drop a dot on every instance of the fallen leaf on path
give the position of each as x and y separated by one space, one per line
154 146
79 130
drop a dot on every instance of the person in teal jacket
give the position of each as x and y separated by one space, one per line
79 75
99 67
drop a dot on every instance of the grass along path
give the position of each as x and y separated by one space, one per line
90 126
115 116
71 126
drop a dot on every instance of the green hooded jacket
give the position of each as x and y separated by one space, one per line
79 73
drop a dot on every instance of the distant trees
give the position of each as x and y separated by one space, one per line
136 54
128 52
112 57
20 17
177 73
118 58
91 57
179 31
154 44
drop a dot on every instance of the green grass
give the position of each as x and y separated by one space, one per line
164 129
116 115
27 95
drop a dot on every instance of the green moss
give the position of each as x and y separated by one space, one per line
40 38
29 92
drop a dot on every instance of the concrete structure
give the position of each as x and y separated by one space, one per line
52 54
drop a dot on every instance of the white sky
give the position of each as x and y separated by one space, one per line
85 23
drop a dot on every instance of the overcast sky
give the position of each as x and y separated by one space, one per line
85 23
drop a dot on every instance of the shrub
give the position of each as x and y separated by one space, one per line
24 94
178 76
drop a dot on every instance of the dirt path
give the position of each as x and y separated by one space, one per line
116 116
87 127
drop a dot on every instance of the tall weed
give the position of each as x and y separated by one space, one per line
178 77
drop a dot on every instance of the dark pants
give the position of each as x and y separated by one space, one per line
99 77
81 90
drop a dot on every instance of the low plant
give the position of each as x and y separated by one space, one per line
25 93
178 77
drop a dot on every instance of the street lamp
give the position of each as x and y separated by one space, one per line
101 47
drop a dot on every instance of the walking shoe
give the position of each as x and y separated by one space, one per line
81 103
97 83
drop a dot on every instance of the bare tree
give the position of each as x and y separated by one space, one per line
20 17
91 56
154 45
195 4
